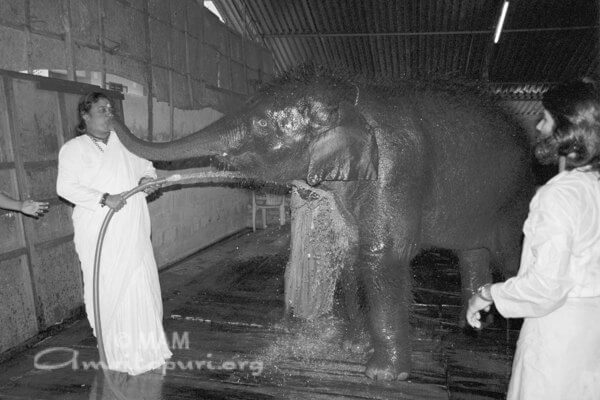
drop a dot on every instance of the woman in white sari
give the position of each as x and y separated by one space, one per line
94 170
557 289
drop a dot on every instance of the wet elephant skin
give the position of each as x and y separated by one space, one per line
412 166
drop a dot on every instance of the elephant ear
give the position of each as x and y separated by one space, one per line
344 153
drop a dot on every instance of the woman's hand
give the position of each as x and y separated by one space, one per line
476 304
115 201
34 208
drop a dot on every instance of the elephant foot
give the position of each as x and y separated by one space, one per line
382 367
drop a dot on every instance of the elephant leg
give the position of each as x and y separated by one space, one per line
474 272
387 279
507 247
354 309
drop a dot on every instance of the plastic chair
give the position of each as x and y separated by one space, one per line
263 202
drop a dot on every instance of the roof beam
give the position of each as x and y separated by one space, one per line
430 33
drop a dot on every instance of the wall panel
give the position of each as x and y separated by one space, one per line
40 283
14 55
159 39
159 9
181 96
58 281
236 48
160 83
36 121
178 51
129 39
10 232
47 52
179 10
68 112
12 12
194 217
46 16
56 223
85 24
87 59
195 25
215 33
196 56
125 67
42 179
211 62
17 314
238 77
124 30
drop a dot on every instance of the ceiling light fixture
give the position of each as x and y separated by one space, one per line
501 21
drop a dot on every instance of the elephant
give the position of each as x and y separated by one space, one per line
414 165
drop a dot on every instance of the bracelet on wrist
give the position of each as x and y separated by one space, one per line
103 199
481 291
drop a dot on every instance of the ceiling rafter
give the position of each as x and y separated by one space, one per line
429 33
543 41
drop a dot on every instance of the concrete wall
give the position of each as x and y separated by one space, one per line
177 49
146 45
41 279
185 122
191 218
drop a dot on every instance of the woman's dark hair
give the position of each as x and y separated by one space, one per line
84 106
575 107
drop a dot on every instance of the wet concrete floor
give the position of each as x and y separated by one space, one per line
223 310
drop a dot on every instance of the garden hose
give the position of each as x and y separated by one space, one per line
197 177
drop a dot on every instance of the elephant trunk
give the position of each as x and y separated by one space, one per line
215 139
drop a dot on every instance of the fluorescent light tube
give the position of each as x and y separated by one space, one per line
501 22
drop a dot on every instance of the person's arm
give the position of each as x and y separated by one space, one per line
8 203
67 182
28 207
546 282
537 292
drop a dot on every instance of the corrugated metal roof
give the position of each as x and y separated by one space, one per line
543 41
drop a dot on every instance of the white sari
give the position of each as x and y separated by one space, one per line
130 298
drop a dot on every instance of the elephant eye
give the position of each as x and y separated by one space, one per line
262 122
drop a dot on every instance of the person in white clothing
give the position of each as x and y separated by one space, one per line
557 289
94 170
